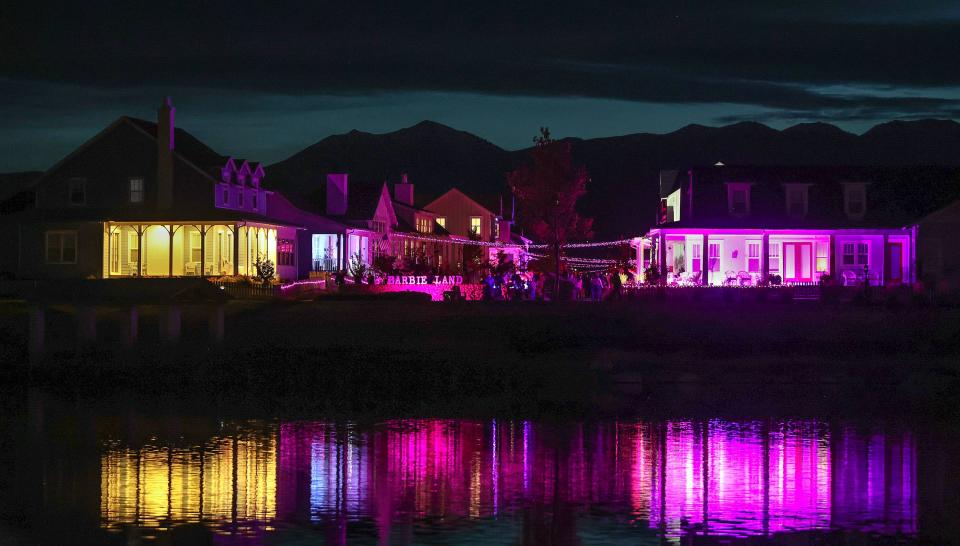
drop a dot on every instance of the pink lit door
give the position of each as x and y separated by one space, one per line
797 262
894 262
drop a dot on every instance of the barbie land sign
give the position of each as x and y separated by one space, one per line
424 279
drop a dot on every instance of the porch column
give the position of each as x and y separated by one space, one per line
170 249
203 251
882 274
139 250
339 251
662 256
833 259
705 260
236 250
764 257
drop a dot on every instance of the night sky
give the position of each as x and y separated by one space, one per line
262 83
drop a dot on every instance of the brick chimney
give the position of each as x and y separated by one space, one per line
403 192
165 144
337 194
505 226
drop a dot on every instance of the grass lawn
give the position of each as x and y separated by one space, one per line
420 357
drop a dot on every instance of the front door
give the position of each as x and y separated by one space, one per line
797 262
894 263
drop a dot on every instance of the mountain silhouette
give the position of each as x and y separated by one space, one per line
622 194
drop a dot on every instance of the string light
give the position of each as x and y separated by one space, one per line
596 244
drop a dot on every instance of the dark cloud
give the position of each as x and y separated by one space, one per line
777 57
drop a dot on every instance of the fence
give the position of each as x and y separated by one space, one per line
246 290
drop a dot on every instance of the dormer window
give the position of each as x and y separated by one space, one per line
738 199
797 199
225 174
855 199
255 181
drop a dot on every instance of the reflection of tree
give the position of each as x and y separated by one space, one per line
559 527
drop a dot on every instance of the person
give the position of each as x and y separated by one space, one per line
616 285
596 287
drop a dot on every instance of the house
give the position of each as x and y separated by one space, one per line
148 199
938 263
733 225
145 199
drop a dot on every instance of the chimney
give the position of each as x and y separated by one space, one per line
337 194
403 192
165 132
504 235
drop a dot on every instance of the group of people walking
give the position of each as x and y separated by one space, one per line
592 286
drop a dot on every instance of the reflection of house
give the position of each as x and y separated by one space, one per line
741 225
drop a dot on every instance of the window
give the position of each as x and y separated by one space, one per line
196 252
226 196
136 190
797 200
496 230
753 256
475 226
823 251
240 199
61 247
695 264
855 199
442 220
714 256
133 248
115 253
253 199
424 225
77 189
774 258
673 206
285 252
738 199
856 254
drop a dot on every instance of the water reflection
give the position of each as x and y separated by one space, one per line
666 479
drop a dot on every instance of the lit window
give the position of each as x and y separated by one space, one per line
695 264
496 230
714 256
753 256
77 188
442 220
133 248
774 257
856 254
136 190
475 226
61 247
822 257
285 252
196 252
115 253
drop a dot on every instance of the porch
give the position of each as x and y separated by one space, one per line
143 249
762 257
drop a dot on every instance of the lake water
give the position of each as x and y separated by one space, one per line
84 476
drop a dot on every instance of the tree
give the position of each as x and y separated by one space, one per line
265 270
548 190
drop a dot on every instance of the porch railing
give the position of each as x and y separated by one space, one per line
246 290
324 264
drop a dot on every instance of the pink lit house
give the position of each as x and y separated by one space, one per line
743 226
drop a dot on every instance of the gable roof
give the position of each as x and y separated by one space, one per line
457 193
186 146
